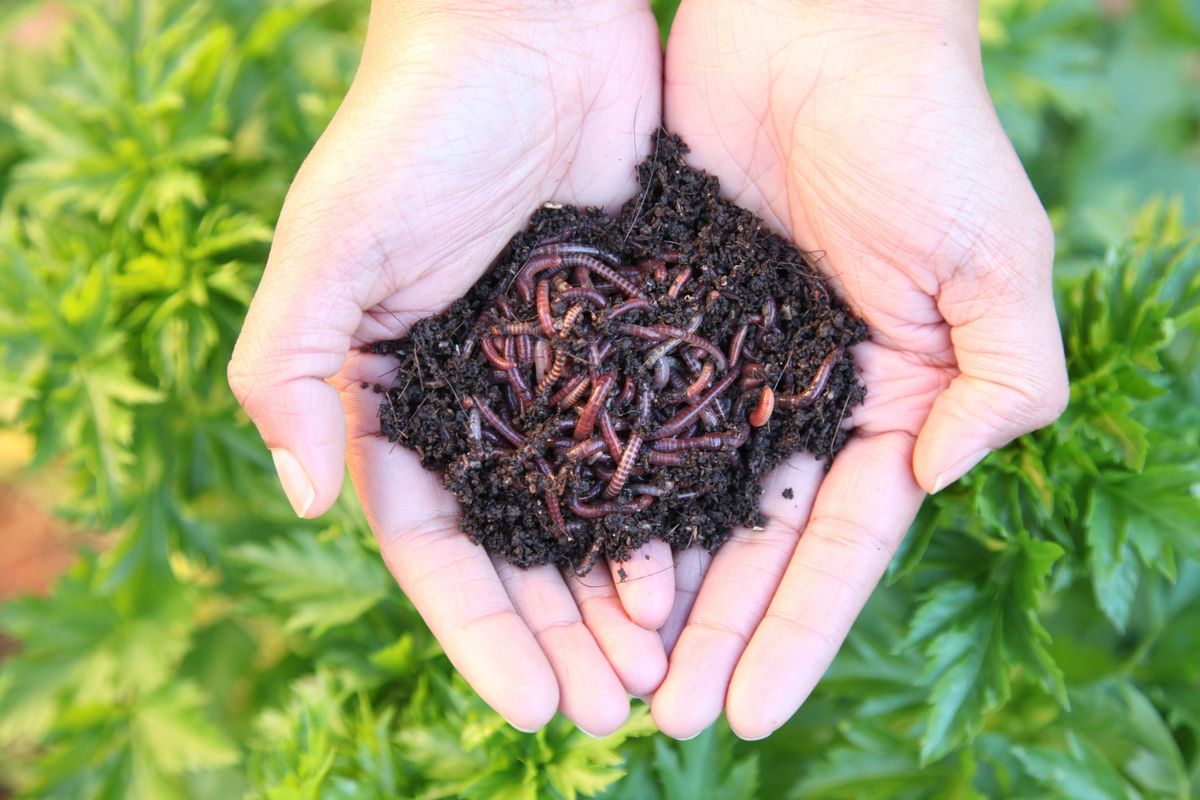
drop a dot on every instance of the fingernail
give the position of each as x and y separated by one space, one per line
296 483
519 728
958 470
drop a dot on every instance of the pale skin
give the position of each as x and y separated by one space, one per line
862 131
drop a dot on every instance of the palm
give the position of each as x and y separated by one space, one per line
455 130
885 158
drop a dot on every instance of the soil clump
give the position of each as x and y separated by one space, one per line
613 379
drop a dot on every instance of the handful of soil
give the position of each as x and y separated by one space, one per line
609 380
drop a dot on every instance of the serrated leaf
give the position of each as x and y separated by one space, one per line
320 583
89 649
1139 519
878 763
1081 771
703 767
172 729
972 638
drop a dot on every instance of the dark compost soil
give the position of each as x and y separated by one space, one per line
609 380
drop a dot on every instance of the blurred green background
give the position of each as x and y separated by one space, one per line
1036 637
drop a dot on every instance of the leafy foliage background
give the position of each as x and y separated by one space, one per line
1037 636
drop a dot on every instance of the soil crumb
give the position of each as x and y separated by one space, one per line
609 380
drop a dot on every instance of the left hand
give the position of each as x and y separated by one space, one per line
462 120
864 132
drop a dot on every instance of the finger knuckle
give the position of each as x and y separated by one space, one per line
1034 402
241 379
849 534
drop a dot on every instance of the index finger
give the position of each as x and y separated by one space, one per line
861 512
450 580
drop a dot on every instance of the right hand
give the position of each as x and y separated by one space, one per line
862 131
459 124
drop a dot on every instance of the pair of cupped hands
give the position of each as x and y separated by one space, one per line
860 129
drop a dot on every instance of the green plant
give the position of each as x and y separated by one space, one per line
1037 633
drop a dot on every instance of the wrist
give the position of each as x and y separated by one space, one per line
946 17
918 20
505 11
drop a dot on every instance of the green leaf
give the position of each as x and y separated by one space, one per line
1114 566
89 649
171 728
704 767
973 637
1081 771
878 763
319 582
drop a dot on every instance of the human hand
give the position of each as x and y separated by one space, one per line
462 120
865 132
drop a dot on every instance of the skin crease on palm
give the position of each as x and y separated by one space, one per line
865 134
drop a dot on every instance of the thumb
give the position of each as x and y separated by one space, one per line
297 333
1012 373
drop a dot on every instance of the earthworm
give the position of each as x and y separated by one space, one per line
567 395
571 249
609 432
534 266
645 408
569 318
555 511
541 361
584 279
815 387
603 348
552 375
584 293
650 264
554 257
624 465
598 510
736 343
616 279
684 418
680 279
626 392
711 441
766 405
494 419
711 417
544 314
661 350
632 304
660 331
585 449
662 373
489 351
524 349
517 381
515 329
587 420
697 386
